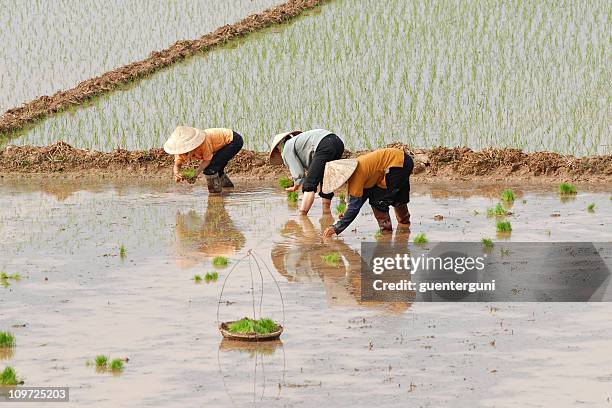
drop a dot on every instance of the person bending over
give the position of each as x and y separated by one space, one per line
306 153
214 148
381 177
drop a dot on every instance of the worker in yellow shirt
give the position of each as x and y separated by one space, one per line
214 148
381 177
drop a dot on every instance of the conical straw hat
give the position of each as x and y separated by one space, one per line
337 172
275 155
184 139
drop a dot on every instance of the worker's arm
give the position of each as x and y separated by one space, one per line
307 201
296 168
354 205
177 169
203 165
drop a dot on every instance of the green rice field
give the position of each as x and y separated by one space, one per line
531 75
56 44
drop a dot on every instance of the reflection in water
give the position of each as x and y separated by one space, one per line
213 235
251 371
299 259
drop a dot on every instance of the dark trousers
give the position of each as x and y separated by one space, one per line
330 148
398 187
223 156
398 183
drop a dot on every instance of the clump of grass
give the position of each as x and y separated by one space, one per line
197 278
122 251
497 211
591 207
487 242
7 340
4 278
503 226
508 196
211 277
246 325
188 174
292 196
220 261
284 182
116 365
341 207
331 259
101 361
9 377
567 188
420 239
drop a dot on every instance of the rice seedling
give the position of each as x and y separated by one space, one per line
246 325
220 261
331 259
101 361
9 377
116 365
497 211
341 208
508 196
284 182
5 277
420 239
7 340
292 196
503 226
591 207
487 242
122 252
566 189
188 174
211 277
197 278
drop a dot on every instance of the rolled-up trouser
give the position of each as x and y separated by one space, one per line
224 155
330 148
398 183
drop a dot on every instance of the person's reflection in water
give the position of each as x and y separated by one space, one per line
299 259
198 238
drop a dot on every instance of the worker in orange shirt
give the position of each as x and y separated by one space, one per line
381 177
214 148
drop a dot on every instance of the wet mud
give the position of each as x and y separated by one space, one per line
78 298
63 160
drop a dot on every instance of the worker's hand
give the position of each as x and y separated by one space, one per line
329 232
302 212
178 178
292 188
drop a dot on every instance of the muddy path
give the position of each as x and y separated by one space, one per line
61 160
16 118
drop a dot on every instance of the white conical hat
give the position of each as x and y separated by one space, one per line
275 155
337 172
184 139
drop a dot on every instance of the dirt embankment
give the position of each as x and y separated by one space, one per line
17 118
62 160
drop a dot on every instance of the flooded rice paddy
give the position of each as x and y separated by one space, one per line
532 75
78 297
40 39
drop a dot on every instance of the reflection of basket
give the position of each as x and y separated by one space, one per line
251 257
223 328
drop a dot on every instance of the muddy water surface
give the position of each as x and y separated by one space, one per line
78 298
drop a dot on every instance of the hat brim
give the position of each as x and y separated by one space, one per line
337 172
275 155
176 146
